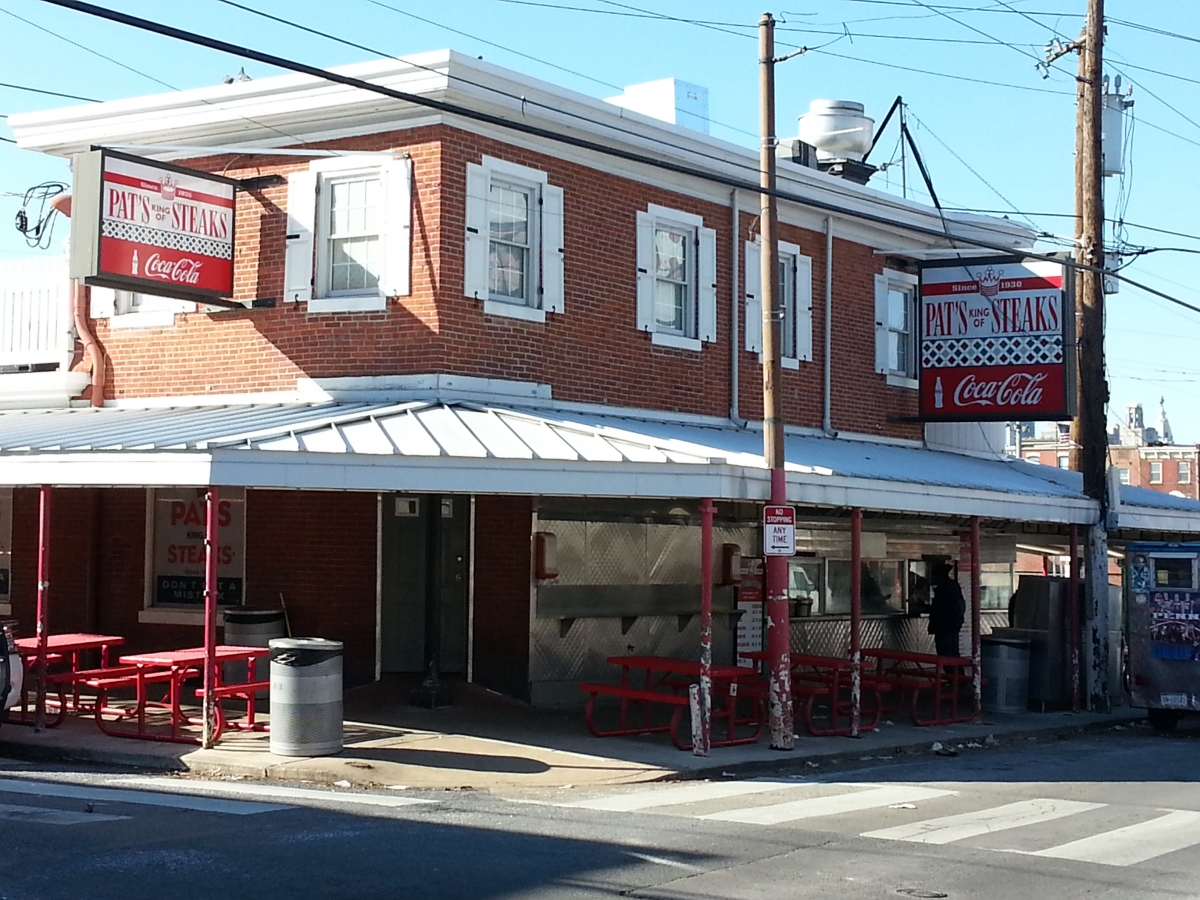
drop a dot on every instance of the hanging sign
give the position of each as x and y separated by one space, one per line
779 530
151 227
996 341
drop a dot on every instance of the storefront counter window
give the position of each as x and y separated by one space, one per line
882 587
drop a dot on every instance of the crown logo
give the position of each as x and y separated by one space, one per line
989 282
168 187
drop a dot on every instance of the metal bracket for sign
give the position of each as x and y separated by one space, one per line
238 184
259 182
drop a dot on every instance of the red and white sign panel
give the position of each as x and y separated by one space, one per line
994 341
779 530
161 229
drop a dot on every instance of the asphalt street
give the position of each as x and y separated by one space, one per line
1108 815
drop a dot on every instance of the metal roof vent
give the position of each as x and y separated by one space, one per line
841 134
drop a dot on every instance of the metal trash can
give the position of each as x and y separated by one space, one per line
248 626
306 696
1004 665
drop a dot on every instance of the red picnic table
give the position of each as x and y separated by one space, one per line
816 676
174 667
665 682
918 673
60 649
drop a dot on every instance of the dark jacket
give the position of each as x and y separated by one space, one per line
948 608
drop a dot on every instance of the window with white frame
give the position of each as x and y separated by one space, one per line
1156 473
896 327
794 302
1184 472
127 309
348 233
1123 475
1064 460
676 278
513 257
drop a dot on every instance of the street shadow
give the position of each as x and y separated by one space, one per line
428 758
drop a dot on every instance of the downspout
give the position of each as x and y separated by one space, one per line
735 308
92 350
827 361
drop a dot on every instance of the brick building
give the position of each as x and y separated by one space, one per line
480 380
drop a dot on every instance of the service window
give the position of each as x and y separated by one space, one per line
995 585
882 587
805 581
1178 572
178 556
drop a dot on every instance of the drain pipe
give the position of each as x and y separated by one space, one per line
735 305
92 351
827 414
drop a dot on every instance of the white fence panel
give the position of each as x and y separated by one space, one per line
35 312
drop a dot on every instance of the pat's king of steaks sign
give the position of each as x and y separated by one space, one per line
996 341
151 227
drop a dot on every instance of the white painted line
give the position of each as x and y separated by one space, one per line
267 792
663 861
142 798
815 807
687 793
949 829
1177 830
40 815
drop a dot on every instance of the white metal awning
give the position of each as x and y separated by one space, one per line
466 447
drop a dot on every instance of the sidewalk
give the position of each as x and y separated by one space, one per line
485 741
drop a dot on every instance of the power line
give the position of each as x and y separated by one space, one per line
1015 87
979 31
1152 30
33 90
565 138
1058 215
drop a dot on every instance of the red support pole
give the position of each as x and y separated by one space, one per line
855 624
702 742
43 600
976 602
779 636
211 548
1073 618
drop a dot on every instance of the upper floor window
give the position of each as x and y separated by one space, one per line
348 233
896 327
1184 474
1123 474
794 302
676 278
1156 473
1064 460
513 259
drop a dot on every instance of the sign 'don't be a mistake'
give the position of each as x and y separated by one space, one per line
151 227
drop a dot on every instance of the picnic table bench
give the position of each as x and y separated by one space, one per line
815 677
917 675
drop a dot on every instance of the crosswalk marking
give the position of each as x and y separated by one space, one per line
108 795
948 829
814 807
40 815
672 796
1177 830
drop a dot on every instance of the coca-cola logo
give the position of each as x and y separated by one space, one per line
179 271
1018 389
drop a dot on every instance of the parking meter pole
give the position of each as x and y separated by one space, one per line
701 747
855 622
43 599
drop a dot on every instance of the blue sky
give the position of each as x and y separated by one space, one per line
1003 145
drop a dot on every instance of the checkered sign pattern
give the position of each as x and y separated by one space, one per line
168 240
1015 350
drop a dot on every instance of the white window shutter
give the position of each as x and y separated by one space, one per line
397 228
301 222
476 247
645 271
754 322
553 285
881 323
804 303
103 302
707 330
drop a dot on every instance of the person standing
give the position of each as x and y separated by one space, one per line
947 611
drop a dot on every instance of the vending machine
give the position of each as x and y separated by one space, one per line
1162 629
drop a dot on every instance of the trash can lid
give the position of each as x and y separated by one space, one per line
303 651
243 614
1021 643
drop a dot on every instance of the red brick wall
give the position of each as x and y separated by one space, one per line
317 548
592 353
502 573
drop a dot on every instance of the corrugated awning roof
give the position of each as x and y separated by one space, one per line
486 448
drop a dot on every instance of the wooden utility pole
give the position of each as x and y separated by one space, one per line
1089 432
779 638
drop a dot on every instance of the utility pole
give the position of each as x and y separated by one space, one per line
1089 434
779 638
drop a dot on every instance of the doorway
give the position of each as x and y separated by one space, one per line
424 583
